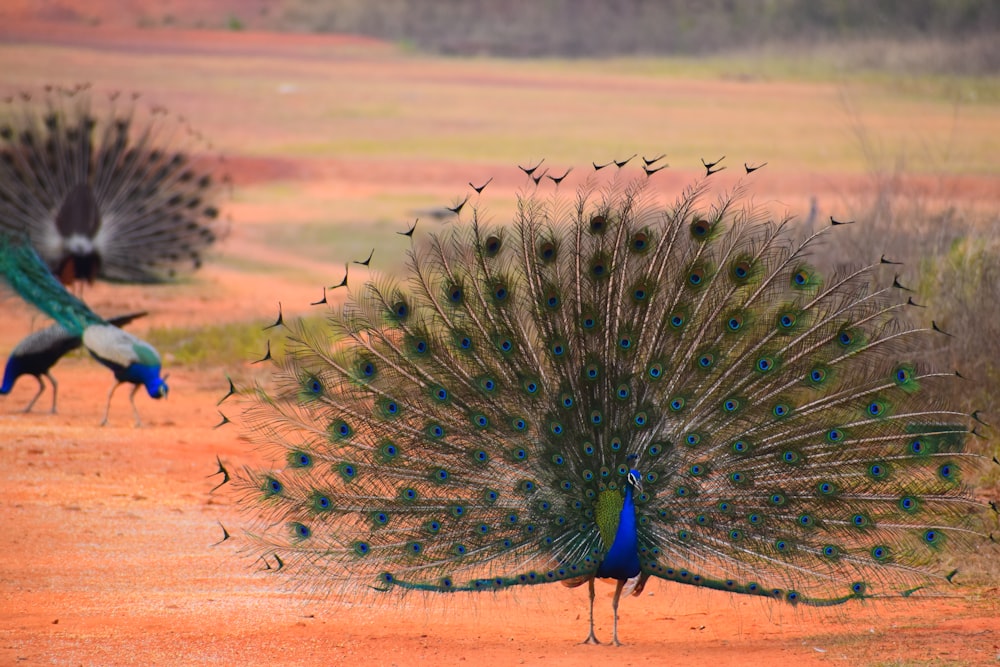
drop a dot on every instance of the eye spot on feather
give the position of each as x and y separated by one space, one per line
299 459
740 271
492 246
341 429
500 293
400 310
599 267
697 277
547 252
700 229
639 242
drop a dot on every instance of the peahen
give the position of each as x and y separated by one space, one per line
131 359
103 191
613 388
39 351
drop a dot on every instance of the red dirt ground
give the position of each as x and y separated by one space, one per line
110 559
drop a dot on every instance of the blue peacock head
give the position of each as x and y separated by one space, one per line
156 386
634 477
635 480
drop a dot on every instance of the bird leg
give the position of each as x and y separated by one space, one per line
107 410
591 638
41 388
135 410
620 584
55 390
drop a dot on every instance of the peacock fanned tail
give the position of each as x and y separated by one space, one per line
104 189
474 426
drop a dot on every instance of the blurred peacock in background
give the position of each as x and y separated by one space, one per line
131 359
104 191
611 387
40 350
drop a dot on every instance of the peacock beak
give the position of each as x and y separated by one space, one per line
635 479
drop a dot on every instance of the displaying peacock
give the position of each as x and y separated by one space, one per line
610 387
104 191
39 351
131 359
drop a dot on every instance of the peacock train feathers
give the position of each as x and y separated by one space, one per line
104 192
611 387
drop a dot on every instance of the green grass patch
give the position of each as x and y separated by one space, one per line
217 345
330 242
233 344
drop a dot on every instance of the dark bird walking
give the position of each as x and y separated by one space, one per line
38 352
132 360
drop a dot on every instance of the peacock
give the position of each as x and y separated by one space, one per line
131 359
613 386
39 351
103 191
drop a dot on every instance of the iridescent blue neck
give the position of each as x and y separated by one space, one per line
622 559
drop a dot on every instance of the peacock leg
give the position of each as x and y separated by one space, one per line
107 410
135 410
41 388
591 638
55 390
620 584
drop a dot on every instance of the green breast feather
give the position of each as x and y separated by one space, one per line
608 511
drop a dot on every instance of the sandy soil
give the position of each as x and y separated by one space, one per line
113 554
113 559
